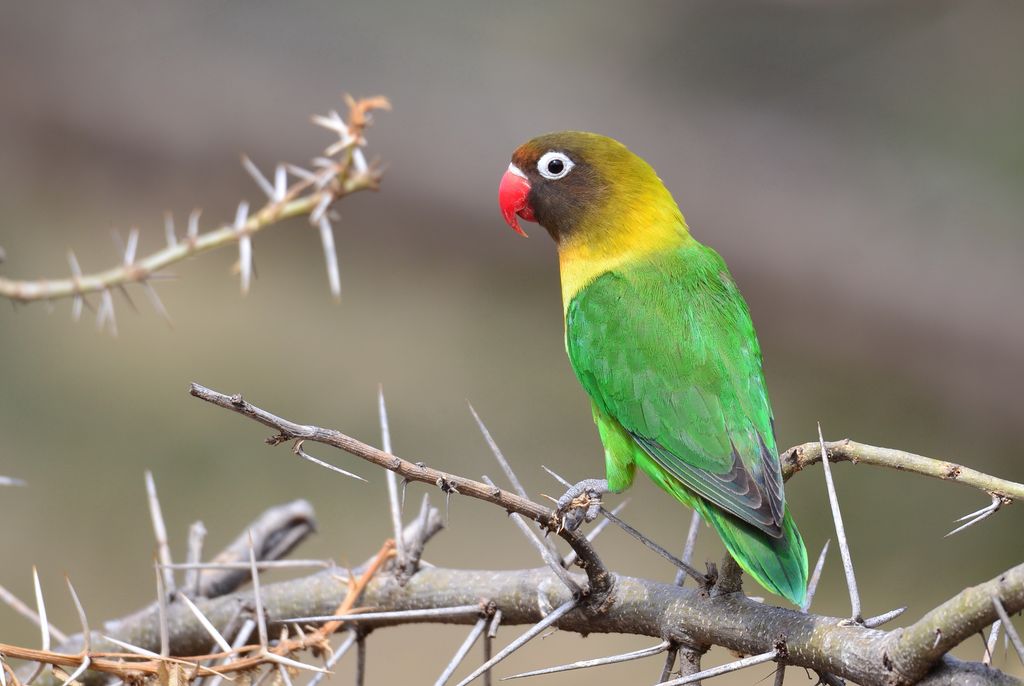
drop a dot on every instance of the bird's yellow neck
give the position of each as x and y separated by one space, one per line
650 227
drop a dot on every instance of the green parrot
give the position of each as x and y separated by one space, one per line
661 340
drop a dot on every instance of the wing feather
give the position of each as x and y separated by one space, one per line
668 349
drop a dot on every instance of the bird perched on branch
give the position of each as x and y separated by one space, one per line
661 340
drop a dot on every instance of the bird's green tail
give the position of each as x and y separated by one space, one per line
778 564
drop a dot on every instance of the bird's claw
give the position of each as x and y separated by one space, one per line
580 504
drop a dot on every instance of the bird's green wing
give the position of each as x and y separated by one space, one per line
666 347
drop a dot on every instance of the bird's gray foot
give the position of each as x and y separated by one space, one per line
581 503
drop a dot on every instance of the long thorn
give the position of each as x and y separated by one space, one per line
885 617
334 658
210 628
691 543
991 644
44 626
844 546
161 601
1011 632
506 468
978 516
196 535
812 585
172 238
670 663
297 449
78 672
330 256
159 531
396 615
360 660
244 248
157 303
522 640
258 177
261 620
498 455
597 662
82 619
396 508
460 654
723 669
28 613
555 563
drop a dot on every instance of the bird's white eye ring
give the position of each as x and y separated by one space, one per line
554 165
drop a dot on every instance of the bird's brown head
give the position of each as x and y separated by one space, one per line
570 183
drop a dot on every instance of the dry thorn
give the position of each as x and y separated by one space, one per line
598 662
159 531
297 449
879 620
196 536
28 613
691 543
844 547
812 584
460 654
525 637
392 481
723 669
210 628
311 195
336 655
979 515
330 256
550 560
82 619
1011 631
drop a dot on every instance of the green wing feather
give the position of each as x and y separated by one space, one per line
667 351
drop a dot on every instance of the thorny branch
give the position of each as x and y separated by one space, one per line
340 171
598 576
801 456
690 617
298 616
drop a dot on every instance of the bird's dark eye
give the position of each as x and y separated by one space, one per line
554 165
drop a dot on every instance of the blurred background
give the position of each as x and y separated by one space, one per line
858 164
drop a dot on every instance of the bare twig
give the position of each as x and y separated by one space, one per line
801 456
344 171
598 576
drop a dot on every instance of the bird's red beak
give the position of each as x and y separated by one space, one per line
512 197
